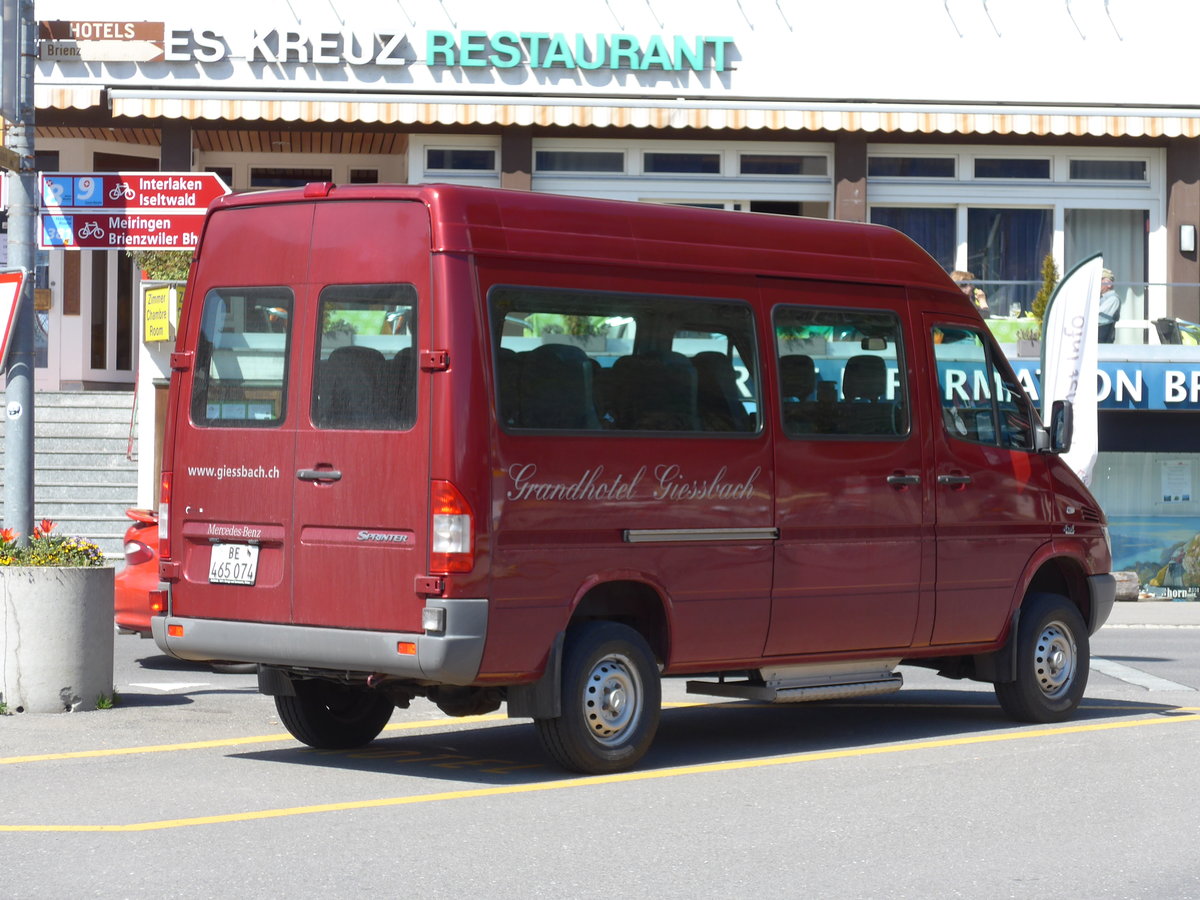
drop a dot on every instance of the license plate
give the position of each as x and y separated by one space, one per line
233 564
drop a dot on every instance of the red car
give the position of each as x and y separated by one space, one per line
132 604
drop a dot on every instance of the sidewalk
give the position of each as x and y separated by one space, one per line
1161 613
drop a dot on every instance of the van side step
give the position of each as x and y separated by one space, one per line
797 684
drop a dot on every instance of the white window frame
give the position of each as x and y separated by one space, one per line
419 144
1058 194
726 188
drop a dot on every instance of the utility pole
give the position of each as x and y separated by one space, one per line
22 253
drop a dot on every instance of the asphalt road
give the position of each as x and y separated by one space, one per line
191 788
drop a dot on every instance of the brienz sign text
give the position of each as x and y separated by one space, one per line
155 42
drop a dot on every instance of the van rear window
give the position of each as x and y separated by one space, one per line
366 367
240 374
584 361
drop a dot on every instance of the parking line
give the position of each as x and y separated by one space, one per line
1130 675
1191 715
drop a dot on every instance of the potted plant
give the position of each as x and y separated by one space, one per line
57 620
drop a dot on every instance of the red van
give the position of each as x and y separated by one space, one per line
492 447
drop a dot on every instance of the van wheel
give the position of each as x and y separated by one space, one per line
611 698
1053 660
332 716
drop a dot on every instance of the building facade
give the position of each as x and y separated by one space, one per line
994 133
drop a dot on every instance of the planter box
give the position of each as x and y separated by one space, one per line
58 638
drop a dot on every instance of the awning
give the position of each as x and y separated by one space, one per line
615 112
68 96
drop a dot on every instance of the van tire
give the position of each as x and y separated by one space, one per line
332 716
1052 661
611 700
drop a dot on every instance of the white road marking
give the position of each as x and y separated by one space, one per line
1136 676
166 686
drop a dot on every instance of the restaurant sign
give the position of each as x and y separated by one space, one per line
83 41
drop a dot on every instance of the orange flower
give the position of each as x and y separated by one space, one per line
47 526
8 535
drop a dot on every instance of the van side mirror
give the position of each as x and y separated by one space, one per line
1062 426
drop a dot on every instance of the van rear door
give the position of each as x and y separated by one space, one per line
235 422
362 445
302 470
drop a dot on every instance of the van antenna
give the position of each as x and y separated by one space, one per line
946 3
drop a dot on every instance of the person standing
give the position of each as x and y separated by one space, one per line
1110 308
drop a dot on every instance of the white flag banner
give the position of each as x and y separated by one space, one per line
1069 348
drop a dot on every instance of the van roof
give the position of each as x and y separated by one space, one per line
498 222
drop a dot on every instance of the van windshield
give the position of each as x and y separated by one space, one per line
241 357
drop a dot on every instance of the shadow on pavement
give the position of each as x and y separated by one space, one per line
509 753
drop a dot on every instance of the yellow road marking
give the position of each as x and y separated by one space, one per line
622 778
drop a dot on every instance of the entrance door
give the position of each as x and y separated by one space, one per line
362 489
852 562
992 491
109 323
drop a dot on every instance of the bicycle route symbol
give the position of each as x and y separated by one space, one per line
121 191
91 229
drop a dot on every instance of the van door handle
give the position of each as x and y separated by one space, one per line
954 480
899 480
319 475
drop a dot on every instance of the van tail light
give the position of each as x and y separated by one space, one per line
453 534
164 517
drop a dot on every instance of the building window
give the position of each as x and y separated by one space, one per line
782 164
1012 168
910 167
681 163
1108 170
225 173
284 178
364 176
932 228
1006 246
460 159
593 161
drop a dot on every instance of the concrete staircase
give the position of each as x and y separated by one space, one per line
83 478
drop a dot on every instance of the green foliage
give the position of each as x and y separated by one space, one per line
162 265
48 549
1049 281
105 701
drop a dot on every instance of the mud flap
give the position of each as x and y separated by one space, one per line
543 698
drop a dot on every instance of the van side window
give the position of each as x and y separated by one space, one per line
981 399
365 376
240 373
583 361
840 372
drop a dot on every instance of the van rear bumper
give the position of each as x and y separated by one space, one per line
452 657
